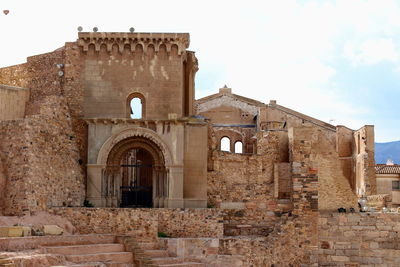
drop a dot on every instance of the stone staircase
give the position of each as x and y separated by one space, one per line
107 254
148 253
4 262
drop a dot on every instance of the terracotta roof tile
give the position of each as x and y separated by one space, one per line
387 169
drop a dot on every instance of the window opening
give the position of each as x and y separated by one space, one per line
225 144
396 185
136 108
238 147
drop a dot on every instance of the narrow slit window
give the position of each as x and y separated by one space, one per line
136 108
239 147
225 144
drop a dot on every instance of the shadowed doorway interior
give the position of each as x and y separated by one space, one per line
135 175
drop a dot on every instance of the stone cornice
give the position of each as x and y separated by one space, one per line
123 39
184 120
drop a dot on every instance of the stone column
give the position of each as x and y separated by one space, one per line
175 187
93 187
155 187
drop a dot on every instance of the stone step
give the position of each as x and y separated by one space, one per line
89 264
147 245
156 253
167 260
183 264
120 257
34 242
98 264
85 249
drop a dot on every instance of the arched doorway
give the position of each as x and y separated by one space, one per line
135 175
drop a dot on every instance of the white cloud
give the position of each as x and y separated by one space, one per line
371 51
285 50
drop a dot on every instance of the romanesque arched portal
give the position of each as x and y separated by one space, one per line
135 174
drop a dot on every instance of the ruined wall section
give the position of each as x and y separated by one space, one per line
364 159
12 102
318 180
40 74
244 180
41 160
345 147
274 116
291 243
238 180
17 75
359 239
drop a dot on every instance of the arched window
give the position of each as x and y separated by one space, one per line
238 147
225 144
136 106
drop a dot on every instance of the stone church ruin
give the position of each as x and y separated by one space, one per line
111 121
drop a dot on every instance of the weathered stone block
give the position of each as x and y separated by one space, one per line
52 230
11 231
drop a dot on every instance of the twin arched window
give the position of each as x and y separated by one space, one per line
226 145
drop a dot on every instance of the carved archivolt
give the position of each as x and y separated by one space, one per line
132 132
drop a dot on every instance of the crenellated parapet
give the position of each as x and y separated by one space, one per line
134 42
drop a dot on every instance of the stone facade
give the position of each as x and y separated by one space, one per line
110 120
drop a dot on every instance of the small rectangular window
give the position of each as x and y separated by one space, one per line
396 185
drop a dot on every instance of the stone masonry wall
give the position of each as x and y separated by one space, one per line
246 180
190 222
289 244
318 180
239 181
3 182
145 222
138 222
12 102
40 159
359 239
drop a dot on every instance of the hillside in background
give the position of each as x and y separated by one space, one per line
383 151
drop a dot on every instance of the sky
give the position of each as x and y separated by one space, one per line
338 61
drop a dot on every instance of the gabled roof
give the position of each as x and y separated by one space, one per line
227 92
304 117
387 169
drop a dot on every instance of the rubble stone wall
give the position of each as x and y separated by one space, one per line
3 182
138 222
145 222
12 102
359 239
190 222
41 160
240 180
